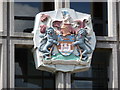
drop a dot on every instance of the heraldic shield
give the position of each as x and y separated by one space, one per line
64 40
65 46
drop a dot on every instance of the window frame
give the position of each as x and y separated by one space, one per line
42 77
12 58
112 75
112 29
3 63
97 66
3 18
12 31
3 45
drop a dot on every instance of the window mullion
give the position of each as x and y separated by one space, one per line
58 4
67 3
111 18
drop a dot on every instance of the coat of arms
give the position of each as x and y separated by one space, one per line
65 39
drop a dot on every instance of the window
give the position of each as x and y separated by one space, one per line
98 10
25 12
97 76
26 75
100 19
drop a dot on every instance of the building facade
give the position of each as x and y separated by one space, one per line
17 68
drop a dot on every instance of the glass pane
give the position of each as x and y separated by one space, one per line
100 64
18 70
87 73
48 6
21 61
101 56
98 11
97 29
26 75
48 83
84 7
19 82
48 74
29 83
32 71
34 83
97 76
27 8
24 25
25 62
100 18
25 12
82 84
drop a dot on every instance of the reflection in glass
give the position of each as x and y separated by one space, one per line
34 83
100 65
98 29
25 12
87 73
97 76
98 11
30 83
82 84
48 83
24 25
84 7
100 18
27 8
48 74
26 75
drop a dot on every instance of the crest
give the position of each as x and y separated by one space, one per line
63 37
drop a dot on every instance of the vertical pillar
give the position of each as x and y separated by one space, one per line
111 18
60 81
58 4
68 80
1 15
63 81
67 3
